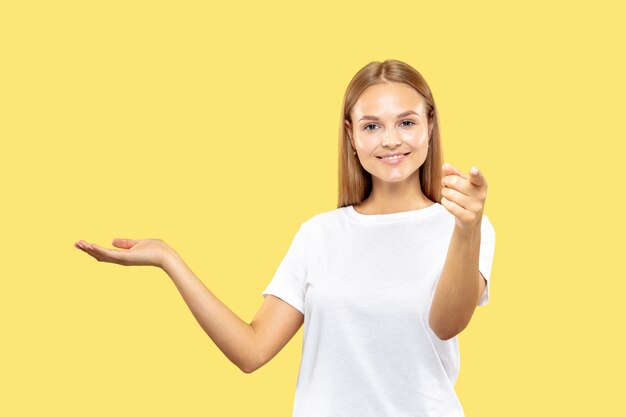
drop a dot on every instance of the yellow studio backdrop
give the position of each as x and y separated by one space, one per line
214 128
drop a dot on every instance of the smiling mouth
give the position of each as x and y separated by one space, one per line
394 157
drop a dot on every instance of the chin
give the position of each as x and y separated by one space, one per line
396 176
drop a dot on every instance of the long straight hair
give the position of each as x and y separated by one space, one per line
355 183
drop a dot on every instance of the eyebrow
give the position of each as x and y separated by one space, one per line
406 113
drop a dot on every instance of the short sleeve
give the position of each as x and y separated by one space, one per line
289 279
485 260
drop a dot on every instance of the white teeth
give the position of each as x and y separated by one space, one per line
392 157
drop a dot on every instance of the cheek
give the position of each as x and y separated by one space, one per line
365 145
417 139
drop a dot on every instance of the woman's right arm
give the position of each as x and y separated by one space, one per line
248 346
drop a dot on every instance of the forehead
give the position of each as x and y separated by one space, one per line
391 98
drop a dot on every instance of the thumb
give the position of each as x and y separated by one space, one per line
124 243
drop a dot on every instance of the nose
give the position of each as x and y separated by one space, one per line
390 140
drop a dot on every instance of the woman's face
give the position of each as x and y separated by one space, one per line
390 118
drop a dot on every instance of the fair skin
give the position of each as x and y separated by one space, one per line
247 345
396 188
377 130
391 118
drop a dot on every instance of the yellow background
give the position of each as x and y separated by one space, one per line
214 127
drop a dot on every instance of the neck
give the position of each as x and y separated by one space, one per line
392 197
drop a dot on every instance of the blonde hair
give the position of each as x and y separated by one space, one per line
355 183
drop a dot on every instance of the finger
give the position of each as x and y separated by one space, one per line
452 207
476 177
124 243
93 250
456 197
457 183
88 248
449 169
108 255
81 244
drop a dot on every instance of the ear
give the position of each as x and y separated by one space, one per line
348 126
348 129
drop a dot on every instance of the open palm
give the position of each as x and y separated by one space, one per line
134 252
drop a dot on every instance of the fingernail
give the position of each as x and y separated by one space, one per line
474 170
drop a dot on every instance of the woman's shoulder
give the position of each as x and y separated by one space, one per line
324 218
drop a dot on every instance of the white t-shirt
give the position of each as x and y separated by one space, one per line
365 285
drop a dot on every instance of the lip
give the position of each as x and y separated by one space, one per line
392 154
394 161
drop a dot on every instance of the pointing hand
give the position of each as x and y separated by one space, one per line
464 196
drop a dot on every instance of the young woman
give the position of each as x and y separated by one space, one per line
383 284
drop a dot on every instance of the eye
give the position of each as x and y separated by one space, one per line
366 127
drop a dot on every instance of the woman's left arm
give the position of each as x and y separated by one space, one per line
461 284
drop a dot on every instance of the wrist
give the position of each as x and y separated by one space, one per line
469 233
168 257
